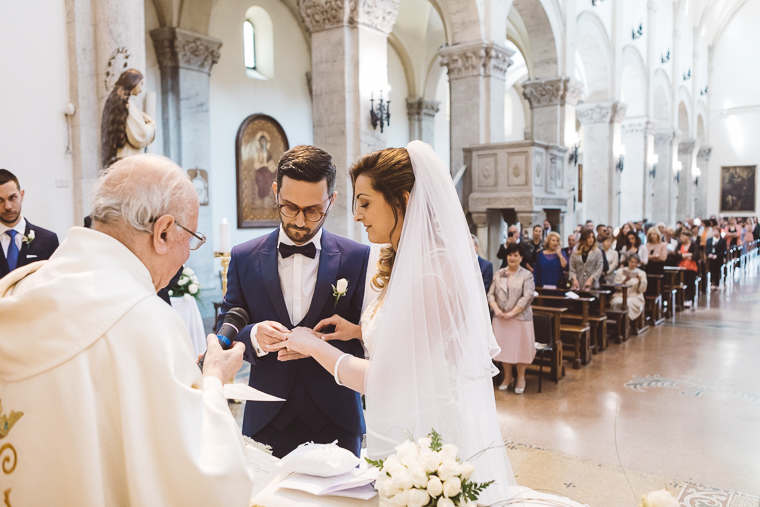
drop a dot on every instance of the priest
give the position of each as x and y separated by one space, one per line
101 400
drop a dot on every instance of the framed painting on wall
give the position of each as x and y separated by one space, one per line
738 188
260 143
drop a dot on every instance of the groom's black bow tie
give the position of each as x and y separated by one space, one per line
309 250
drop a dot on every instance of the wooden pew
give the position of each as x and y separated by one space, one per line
669 293
674 277
619 317
580 334
653 298
597 314
557 368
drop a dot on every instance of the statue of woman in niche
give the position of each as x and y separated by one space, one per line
125 130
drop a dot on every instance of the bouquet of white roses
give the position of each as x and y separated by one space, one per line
427 473
187 284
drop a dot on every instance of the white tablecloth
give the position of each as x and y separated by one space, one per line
187 307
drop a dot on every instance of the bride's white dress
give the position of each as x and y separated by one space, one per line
430 342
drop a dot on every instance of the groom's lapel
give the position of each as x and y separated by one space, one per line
329 262
271 277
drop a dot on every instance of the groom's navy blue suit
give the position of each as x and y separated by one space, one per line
316 408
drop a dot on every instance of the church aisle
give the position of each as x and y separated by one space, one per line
679 404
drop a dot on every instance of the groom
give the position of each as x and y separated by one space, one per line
285 280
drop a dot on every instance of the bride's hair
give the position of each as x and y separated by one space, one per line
391 174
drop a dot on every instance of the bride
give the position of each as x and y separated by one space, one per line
428 334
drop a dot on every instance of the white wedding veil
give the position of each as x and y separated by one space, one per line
430 366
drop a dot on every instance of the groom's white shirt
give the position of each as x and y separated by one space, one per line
298 279
115 410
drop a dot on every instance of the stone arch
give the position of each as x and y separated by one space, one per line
191 15
542 33
701 122
634 82
595 55
406 61
684 113
662 99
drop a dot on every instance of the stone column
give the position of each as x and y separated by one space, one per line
476 80
703 163
601 179
117 30
687 155
481 222
552 107
665 191
349 55
649 172
185 59
634 178
422 113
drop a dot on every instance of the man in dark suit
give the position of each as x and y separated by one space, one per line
715 250
486 267
285 280
22 242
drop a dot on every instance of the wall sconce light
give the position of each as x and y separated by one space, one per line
69 111
665 58
620 163
703 92
596 2
687 76
678 168
653 171
697 174
637 34
381 114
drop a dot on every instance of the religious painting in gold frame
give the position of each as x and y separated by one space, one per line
260 143
738 188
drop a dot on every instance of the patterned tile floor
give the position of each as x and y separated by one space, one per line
678 407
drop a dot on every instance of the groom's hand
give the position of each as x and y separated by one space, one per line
270 333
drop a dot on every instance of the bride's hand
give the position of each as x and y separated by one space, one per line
344 330
299 344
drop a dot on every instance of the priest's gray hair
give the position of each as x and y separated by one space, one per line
140 189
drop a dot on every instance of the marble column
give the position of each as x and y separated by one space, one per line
476 81
552 107
104 39
422 113
481 222
601 151
665 191
634 177
185 59
703 163
687 155
349 55
649 173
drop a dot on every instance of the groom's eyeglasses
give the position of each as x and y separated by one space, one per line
310 214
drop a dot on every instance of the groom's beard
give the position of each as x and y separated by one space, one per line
301 235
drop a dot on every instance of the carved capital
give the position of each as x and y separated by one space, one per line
687 146
666 136
479 219
319 15
476 59
552 92
601 112
420 107
705 152
179 48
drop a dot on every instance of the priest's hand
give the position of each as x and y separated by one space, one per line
222 364
270 333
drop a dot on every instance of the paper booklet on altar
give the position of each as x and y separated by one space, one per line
354 484
247 393
262 466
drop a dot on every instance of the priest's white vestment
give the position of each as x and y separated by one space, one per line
115 410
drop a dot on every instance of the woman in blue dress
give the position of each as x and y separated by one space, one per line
550 262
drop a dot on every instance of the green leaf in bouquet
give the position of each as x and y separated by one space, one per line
472 490
375 463
437 442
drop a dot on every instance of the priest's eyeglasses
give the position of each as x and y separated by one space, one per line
197 239
310 214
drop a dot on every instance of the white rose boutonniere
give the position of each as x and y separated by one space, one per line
339 290
29 238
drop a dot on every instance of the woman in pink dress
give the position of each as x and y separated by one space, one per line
510 297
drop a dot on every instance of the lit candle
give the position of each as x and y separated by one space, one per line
224 236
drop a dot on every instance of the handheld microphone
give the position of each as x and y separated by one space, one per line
234 320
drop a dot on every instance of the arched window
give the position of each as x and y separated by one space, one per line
258 44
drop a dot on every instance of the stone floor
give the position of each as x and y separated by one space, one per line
676 408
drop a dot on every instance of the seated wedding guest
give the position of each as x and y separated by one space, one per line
613 258
510 297
111 407
636 280
620 238
550 262
633 246
715 252
669 239
586 263
486 267
601 234
657 252
513 236
686 255
22 242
